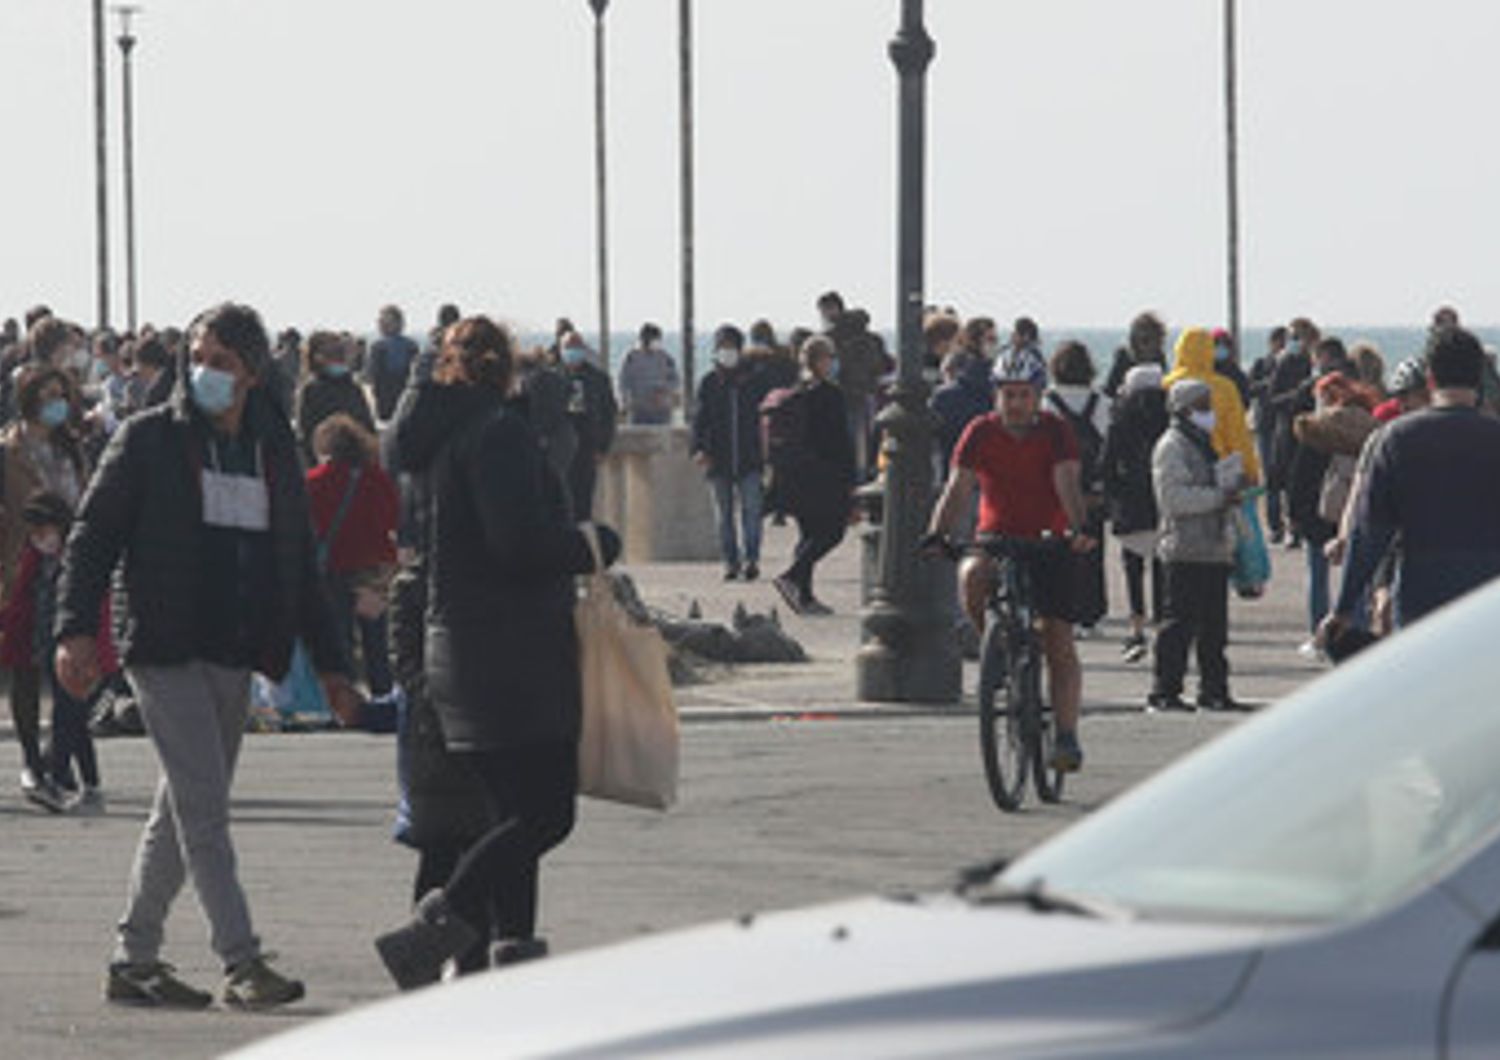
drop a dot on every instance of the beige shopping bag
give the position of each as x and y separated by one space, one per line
629 747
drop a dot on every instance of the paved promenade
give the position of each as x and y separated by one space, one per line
791 793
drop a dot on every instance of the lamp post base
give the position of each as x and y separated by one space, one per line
913 654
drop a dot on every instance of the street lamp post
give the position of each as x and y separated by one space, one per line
1232 166
126 40
685 116
910 651
101 172
600 187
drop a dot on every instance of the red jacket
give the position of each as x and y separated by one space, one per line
367 536
18 620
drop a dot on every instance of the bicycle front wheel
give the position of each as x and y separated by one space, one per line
1000 743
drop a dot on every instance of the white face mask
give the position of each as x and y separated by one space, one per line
1203 419
727 356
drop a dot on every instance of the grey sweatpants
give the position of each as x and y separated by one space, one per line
195 716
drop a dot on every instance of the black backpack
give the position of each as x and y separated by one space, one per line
1090 441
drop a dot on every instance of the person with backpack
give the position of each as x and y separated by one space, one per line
813 469
1072 397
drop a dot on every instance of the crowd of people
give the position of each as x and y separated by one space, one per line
414 512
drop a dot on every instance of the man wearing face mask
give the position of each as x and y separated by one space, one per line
1196 494
727 445
649 383
328 388
220 578
594 414
1293 367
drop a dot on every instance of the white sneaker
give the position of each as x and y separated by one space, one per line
41 790
1310 651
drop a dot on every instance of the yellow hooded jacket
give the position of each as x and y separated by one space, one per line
1195 360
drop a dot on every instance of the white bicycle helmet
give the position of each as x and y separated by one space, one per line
1020 366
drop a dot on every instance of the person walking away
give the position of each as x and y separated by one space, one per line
1137 421
650 386
595 415
1307 471
777 366
1073 397
817 478
1196 494
328 388
501 651
727 446
544 392
39 452
1284 397
1263 417
1146 343
26 644
861 361
354 509
1433 478
1023 460
203 500
390 360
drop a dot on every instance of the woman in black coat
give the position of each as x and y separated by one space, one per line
816 490
501 653
1139 417
330 388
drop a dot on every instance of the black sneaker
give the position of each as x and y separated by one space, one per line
1225 703
752 571
732 574
517 951
255 986
1067 754
43 791
789 593
1167 701
151 985
1134 648
813 606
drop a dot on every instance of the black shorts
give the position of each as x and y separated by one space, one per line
1055 584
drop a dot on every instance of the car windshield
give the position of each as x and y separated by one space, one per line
1333 805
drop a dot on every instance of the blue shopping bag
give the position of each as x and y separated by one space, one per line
1252 560
300 696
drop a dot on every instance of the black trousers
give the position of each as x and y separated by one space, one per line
818 535
1195 612
530 793
1135 585
583 473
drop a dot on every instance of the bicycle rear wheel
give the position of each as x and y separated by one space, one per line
1000 743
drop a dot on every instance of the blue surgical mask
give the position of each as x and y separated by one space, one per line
1294 346
574 355
213 389
54 413
335 369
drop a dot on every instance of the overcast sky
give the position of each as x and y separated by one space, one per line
320 157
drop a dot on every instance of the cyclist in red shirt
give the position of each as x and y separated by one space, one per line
1024 462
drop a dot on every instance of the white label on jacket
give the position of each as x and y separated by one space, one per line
236 502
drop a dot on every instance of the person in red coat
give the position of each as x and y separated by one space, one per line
26 643
354 508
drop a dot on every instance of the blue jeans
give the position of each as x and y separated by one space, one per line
747 487
1317 582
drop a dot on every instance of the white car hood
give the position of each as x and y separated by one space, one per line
873 977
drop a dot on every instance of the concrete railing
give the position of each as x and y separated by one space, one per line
652 492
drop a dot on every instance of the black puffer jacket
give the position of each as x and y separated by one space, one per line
726 425
322 396
501 650
145 504
1137 422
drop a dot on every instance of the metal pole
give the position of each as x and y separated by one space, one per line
1232 164
101 174
910 651
127 99
601 218
685 108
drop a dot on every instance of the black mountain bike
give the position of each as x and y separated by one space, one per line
1015 722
